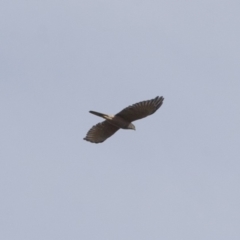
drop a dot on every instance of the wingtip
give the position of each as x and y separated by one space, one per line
160 98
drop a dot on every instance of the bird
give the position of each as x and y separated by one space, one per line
103 130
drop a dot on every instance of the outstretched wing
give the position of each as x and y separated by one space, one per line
141 109
100 132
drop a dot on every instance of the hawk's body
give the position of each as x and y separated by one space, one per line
114 120
123 119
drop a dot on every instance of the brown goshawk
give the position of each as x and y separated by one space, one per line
123 119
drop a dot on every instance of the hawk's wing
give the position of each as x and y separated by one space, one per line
141 109
100 132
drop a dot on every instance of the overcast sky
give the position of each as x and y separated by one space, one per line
177 177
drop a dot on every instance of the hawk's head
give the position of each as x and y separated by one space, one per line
131 126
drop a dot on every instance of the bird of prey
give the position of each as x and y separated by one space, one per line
123 119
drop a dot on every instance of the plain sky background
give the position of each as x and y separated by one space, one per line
177 177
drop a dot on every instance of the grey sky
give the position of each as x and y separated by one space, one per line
177 177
